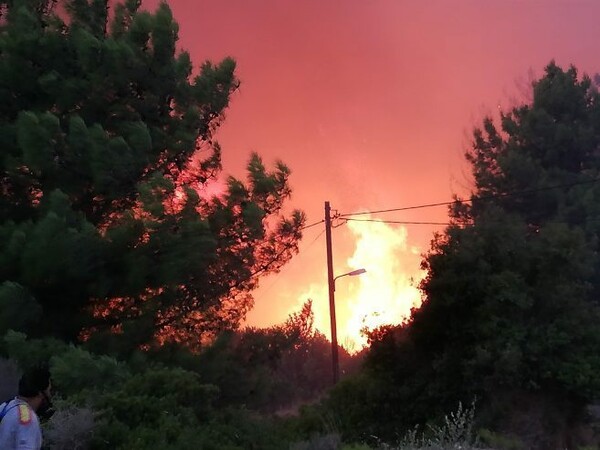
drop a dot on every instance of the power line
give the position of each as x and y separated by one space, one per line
428 205
564 222
314 240
453 202
312 225
399 222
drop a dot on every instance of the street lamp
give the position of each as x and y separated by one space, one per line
349 274
334 344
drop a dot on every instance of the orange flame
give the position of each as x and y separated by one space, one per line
383 295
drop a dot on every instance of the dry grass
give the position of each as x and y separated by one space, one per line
69 429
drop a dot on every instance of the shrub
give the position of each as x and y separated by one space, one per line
77 370
30 352
455 432
70 429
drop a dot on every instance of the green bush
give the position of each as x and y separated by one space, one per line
78 371
30 352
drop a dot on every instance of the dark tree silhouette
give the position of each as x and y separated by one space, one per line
107 157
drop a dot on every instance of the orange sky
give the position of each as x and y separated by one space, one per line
370 103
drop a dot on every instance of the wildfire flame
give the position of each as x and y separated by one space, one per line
383 295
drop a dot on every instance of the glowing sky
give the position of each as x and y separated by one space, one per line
370 102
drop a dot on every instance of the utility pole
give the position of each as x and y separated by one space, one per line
331 284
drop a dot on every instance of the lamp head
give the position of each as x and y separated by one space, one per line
357 272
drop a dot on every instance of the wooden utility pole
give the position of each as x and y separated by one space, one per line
330 282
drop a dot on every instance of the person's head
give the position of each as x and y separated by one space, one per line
35 386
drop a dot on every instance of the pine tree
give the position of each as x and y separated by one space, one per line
510 308
108 152
511 296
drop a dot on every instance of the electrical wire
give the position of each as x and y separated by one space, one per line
314 240
399 222
312 225
453 202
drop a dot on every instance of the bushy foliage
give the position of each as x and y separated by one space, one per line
268 369
511 291
108 404
172 398
77 371
27 352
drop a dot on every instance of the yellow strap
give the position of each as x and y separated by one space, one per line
24 414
